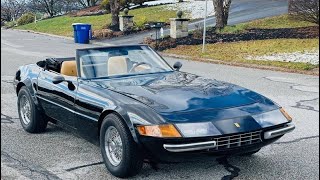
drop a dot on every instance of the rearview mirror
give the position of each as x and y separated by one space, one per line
58 79
177 66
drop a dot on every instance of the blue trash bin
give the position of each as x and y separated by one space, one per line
82 33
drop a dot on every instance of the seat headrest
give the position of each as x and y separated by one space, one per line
117 65
69 68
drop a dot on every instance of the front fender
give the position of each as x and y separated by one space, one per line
134 114
27 76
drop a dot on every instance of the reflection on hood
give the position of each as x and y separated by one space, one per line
178 92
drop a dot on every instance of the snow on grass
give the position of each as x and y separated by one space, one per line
195 9
305 57
153 3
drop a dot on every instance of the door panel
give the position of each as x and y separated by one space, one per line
57 99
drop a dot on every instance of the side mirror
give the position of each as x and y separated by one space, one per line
177 66
58 79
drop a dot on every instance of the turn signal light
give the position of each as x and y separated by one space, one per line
165 131
289 118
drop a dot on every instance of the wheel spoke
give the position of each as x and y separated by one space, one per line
25 109
113 146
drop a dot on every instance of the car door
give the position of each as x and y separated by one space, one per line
57 99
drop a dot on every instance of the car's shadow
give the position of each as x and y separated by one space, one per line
210 168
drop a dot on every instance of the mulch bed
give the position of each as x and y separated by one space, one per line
250 34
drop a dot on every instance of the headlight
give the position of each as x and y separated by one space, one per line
165 131
271 118
289 118
198 129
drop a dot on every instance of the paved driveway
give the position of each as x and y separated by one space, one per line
58 154
240 11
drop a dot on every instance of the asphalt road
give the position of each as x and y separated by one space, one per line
59 154
240 11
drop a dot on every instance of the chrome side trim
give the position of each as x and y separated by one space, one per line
190 146
280 131
75 112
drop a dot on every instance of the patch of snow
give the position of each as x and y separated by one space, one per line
153 3
304 57
195 8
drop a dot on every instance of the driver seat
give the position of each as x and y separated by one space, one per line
117 65
69 68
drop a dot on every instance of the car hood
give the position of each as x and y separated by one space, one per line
178 96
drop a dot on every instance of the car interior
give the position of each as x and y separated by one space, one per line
93 67
64 66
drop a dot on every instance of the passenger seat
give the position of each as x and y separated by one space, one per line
69 68
117 65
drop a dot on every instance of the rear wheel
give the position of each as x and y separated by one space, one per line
120 152
32 119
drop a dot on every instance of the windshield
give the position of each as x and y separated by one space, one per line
120 61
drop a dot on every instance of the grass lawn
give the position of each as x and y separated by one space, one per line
62 25
276 22
238 51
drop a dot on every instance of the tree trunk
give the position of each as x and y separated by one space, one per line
115 10
221 8
218 8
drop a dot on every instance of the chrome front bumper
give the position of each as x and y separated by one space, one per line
214 144
190 146
279 132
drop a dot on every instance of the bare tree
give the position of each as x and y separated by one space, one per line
305 10
221 8
115 10
88 3
51 7
12 9
70 5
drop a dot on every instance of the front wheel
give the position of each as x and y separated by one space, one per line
122 155
32 119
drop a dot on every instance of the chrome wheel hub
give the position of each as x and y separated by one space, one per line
25 109
113 146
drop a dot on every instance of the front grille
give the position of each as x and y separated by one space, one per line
238 140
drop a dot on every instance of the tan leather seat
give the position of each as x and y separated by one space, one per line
142 68
69 68
117 65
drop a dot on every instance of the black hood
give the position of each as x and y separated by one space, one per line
180 93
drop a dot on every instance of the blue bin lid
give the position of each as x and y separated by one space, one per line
85 24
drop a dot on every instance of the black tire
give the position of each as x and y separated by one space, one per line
250 153
132 161
37 121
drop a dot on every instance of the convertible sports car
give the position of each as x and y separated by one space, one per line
139 109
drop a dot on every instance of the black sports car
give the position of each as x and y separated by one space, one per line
139 108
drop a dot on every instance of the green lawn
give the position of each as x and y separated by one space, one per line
239 51
276 22
62 25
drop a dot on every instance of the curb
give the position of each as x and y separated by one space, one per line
253 66
61 37
45 34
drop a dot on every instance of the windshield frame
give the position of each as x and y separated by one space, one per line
79 52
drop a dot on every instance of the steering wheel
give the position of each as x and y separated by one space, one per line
137 65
